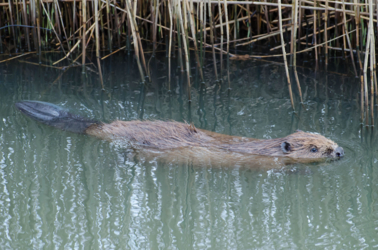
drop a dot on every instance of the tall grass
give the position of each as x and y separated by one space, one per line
179 26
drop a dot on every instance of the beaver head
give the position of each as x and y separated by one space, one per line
302 145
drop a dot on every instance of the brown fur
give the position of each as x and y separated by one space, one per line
180 142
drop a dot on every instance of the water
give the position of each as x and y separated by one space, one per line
64 190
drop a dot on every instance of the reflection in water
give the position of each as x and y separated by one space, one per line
64 190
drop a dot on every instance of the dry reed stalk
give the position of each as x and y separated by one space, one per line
75 46
266 12
372 55
27 24
348 40
138 39
293 17
341 49
79 29
128 34
344 39
185 23
294 40
10 8
236 23
314 37
84 22
298 52
294 44
39 31
80 20
199 15
179 51
133 30
43 65
155 17
201 27
204 21
18 19
74 61
300 11
181 22
260 38
52 27
346 3
375 70
228 42
32 22
230 22
266 36
57 23
247 2
357 21
362 97
61 20
108 21
98 43
368 44
135 7
349 12
320 31
89 38
191 22
284 53
287 19
321 8
326 31
1 44
249 20
221 31
68 17
372 63
163 27
298 83
114 52
74 18
170 43
9 59
117 27
330 40
212 40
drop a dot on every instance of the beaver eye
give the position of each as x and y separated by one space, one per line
314 150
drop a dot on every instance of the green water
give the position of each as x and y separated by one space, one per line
60 190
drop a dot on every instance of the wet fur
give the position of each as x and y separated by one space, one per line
176 142
180 142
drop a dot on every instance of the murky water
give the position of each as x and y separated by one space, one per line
64 190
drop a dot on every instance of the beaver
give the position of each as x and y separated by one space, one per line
177 142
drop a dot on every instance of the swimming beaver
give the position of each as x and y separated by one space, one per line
179 142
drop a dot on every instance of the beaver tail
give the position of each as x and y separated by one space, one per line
54 116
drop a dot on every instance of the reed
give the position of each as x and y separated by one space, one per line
98 27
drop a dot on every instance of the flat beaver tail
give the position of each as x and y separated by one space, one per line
54 116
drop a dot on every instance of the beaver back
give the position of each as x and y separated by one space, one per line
172 135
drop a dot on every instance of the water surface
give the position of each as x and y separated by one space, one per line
64 190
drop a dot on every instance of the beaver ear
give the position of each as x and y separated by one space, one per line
286 147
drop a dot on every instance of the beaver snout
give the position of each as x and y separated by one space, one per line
339 151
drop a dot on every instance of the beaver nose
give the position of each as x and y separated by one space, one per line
339 152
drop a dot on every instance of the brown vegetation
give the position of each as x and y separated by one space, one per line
80 27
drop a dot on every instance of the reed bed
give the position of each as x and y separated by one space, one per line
219 27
